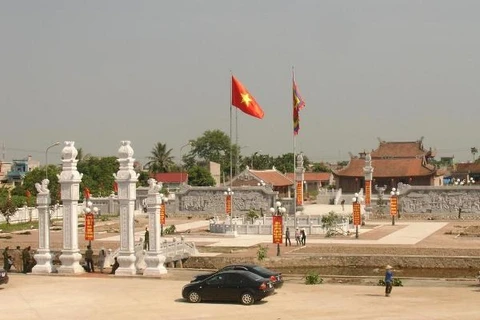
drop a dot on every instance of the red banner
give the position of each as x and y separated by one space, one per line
368 192
228 205
89 227
357 215
163 212
299 193
277 229
393 206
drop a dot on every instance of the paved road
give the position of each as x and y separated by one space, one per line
108 297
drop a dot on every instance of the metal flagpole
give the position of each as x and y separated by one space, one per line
237 156
231 154
294 159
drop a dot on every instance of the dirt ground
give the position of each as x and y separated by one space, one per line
457 238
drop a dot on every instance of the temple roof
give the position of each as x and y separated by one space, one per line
410 149
273 177
313 176
467 167
388 168
171 177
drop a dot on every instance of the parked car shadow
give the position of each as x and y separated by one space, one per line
181 300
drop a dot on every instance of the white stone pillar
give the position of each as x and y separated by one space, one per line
299 181
70 180
154 259
368 172
126 179
43 256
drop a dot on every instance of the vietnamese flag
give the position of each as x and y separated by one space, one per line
243 100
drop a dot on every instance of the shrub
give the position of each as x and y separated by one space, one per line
313 277
396 282
261 253
170 230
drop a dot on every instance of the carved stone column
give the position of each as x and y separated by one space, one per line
368 171
70 180
43 256
126 179
154 259
299 180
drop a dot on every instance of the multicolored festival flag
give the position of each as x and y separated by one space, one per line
298 104
243 100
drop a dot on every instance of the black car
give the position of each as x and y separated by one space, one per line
3 276
231 285
275 277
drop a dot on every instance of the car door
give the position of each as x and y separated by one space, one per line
234 286
213 288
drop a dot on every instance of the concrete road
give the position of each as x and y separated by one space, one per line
108 297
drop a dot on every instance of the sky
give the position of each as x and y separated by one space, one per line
98 72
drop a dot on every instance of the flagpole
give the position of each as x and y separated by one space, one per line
294 158
231 154
237 156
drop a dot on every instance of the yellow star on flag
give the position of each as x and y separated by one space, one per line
246 99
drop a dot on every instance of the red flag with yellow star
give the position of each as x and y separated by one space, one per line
243 100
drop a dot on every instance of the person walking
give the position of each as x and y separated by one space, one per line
287 238
17 259
101 259
26 257
146 243
297 236
303 237
5 258
115 266
388 280
89 259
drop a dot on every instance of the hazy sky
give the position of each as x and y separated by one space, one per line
98 72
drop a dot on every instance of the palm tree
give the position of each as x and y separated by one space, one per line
81 156
160 160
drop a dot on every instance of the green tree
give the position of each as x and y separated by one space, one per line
160 160
7 208
213 145
320 167
98 175
284 163
143 179
37 175
252 215
199 176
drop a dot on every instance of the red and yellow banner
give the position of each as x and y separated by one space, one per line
89 227
368 192
163 212
393 206
357 215
299 193
228 205
277 229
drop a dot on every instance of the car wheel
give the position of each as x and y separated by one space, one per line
194 297
247 298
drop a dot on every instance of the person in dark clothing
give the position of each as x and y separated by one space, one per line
287 238
388 281
115 266
146 243
303 237
26 258
89 259
343 204
5 258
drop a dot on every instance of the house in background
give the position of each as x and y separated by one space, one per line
172 180
5 167
19 169
274 178
392 162
313 181
466 171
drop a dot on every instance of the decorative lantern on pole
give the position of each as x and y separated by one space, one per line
357 216
394 204
277 224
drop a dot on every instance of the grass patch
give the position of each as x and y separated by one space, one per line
7 228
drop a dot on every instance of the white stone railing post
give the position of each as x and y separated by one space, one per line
126 179
70 180
43 256
154 259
